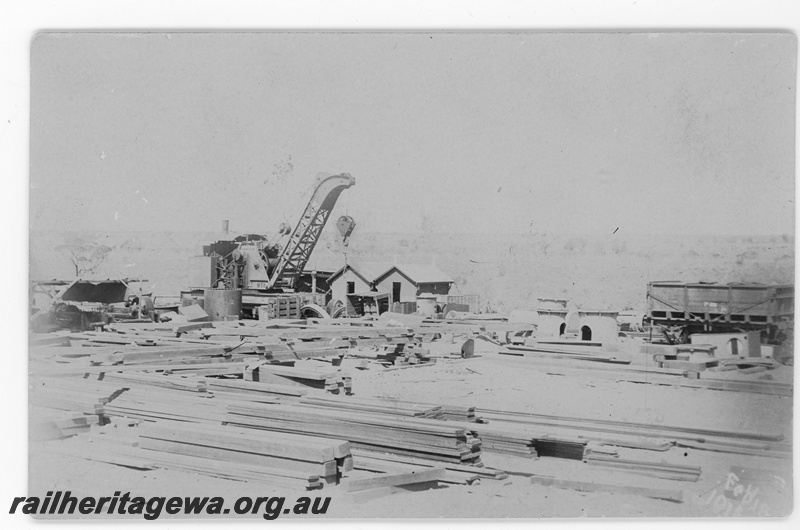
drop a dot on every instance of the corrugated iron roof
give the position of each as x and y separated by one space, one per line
419 273
368 270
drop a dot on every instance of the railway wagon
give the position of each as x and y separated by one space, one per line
713 307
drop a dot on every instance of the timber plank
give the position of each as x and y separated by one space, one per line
401 479
418 425
322 470
366 436
653 493
295 447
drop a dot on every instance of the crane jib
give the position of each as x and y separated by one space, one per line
304 238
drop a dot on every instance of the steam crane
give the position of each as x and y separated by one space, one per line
251 262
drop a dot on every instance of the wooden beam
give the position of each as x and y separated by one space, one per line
653 493
400 479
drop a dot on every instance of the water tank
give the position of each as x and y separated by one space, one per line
223 304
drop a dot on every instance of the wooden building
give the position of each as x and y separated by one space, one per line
356 277
405 282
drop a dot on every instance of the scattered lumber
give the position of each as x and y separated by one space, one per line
378 406
375 465
404 365
652 376
245 401
575 350
653 493
251 387
398 407
397 353
154 354
651 469
400 479
185 328
221 366
174 382
772 450
457 469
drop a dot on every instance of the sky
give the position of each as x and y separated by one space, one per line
448 132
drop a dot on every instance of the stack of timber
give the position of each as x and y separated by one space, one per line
509 443
459 413
328 378
306 459
183 427
526 442
180 430
176 446
251 473
646 436
156 404
546 442
418 437
396 407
